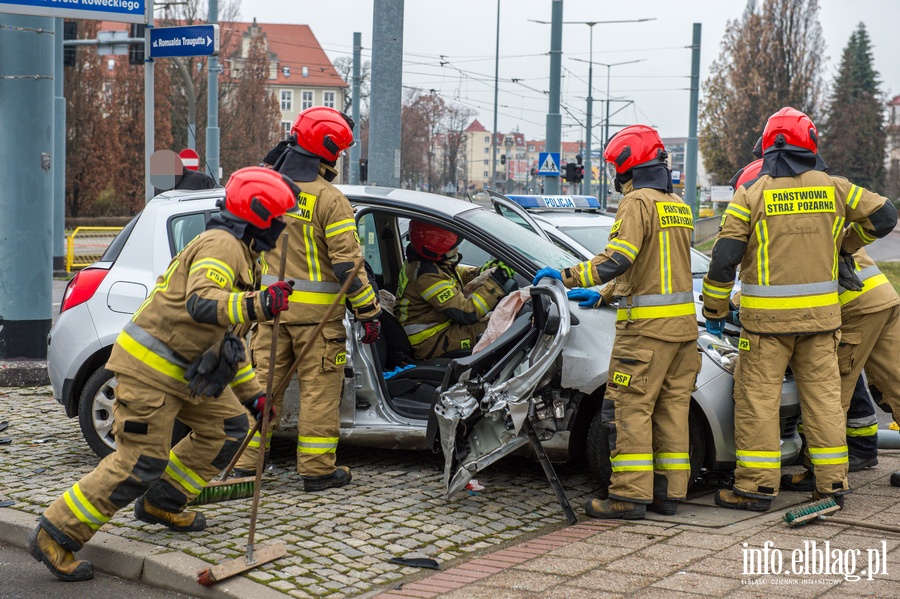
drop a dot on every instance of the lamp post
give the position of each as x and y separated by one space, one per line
590 98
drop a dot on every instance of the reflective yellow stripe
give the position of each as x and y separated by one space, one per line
863 431
145 355
186 477
762 253
256 438
854 196
738 212
863 234
836 230
421 336
480 304
341 226
632 462
311 297
828 455
216 265
868 285
665 263
433 290
317 445
789 303
312 253
366 295
83 509
758 459
671 461
715 292
160 286
620 245
585 273
243 375
236 308
645 312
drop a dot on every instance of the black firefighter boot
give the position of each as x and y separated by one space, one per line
185 521
340 477
57 558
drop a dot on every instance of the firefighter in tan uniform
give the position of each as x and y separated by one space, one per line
786 230
654 362
436 315
323 249
180 356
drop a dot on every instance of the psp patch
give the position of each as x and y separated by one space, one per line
744 344
615 228
445 295
465 344
216 277
620 378
341 358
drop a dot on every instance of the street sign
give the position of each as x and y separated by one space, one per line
676 177
128 11
548 164
193 40
190 158
721 193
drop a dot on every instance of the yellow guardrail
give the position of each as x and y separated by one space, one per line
86 245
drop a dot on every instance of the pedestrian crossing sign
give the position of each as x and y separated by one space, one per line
548 164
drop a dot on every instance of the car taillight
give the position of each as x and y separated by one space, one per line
82 287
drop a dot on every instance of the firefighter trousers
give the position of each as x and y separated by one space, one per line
645 409
862 424
872 341
144 464
757 400
320 375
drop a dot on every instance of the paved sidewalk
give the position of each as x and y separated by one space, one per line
510 540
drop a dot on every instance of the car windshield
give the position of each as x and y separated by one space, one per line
538 249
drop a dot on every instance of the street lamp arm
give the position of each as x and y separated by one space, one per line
592 23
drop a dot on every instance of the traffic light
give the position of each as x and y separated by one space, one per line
533 172
363 170
70 32
579 173
136 51
502 158
578 159
570 172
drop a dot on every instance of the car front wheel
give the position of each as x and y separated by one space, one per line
598 450
95 413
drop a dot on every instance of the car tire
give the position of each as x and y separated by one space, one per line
95 413
598 450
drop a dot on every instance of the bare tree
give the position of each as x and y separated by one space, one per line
457 119
344 66
770 58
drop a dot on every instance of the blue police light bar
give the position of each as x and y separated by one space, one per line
556 202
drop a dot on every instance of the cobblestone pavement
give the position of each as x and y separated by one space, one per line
339 542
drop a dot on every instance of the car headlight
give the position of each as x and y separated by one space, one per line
722 351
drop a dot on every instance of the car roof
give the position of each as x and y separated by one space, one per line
573 219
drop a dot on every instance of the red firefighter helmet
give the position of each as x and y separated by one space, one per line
430 241
790 129
748 173
323 131
258 195
633 146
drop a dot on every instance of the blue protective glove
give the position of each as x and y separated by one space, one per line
547 272
586 298
735 316
715 326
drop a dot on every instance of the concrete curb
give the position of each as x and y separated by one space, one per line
23 373
155 566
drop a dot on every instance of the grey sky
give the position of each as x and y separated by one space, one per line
461 34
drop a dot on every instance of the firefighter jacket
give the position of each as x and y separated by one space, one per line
786 233
648 255
323 247
877 293
435 313
206 291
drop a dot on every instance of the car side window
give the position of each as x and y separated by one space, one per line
183 228
369 240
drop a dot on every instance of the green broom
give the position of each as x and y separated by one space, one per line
819 511
225 489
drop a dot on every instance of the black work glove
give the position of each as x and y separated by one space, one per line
209 374
847 273
275 153
502 277
258 404
373 331
275 298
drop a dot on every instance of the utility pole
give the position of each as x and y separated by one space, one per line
212 99
354 107
496 88
192 101
386 99
554 118
59 151
690 148
26 145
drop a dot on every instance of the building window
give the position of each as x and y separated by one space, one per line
487 150
487 139
287 99
484 174
328 99
306 100
531 147
485 163
285 129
